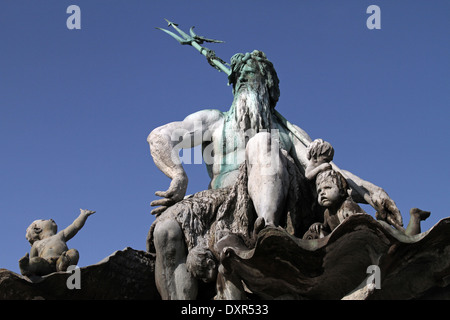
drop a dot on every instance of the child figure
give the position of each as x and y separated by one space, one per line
319 153
333 193
49 251
201 263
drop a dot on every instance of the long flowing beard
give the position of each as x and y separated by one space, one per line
252 111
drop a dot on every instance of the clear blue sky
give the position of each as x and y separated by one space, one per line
76 106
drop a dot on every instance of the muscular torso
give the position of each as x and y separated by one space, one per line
226 152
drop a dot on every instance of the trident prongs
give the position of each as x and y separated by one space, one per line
195 41
185 36
170 23
200 39
179 39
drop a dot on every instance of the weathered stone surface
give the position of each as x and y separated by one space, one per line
278 188
281 266
125 274
49 251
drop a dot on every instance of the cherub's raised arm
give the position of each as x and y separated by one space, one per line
165 144
72 230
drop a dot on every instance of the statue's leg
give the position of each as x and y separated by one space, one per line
40 266
67 259
416 216
173 280
268 178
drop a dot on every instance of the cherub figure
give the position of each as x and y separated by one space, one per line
49 252
202 264
319 153
333 193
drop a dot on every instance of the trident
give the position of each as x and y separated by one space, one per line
195 41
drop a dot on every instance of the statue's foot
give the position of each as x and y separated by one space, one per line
24 264
63 262
420 214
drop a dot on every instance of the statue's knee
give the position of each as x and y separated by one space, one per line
260 141
37 261
263 151
166 233
257 147
73 255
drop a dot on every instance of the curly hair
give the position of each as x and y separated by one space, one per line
320 148
34 230
336 177
200 261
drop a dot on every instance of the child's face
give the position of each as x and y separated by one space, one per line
328 193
